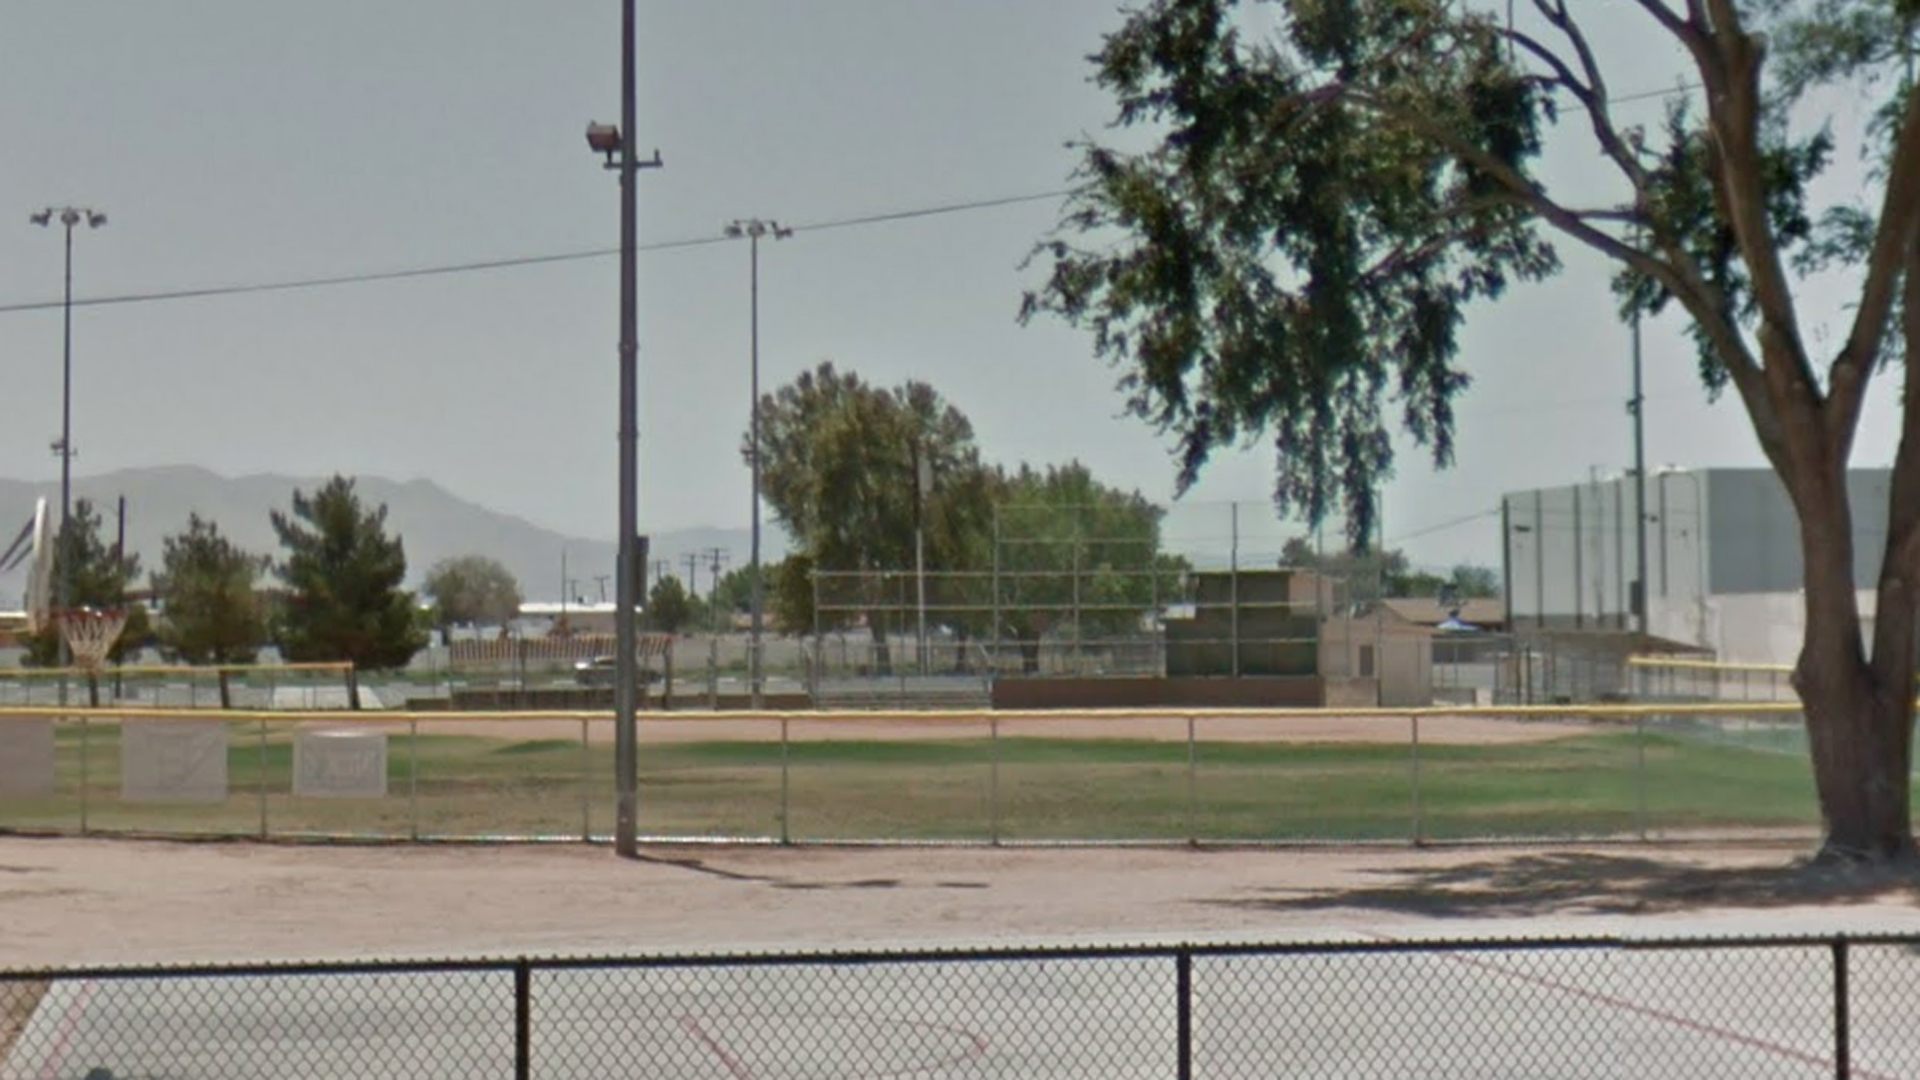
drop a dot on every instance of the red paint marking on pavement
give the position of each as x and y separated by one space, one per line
737 1068
69 1023
1687 1023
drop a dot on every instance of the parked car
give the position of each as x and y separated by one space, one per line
599 672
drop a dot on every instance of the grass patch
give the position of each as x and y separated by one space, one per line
1018 788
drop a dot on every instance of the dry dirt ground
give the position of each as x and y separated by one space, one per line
67 902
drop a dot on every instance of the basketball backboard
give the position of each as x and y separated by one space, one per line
39 598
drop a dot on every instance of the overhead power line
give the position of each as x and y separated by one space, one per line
519 261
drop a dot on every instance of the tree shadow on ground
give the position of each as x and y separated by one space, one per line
1536 883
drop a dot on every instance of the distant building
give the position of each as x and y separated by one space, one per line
1723 558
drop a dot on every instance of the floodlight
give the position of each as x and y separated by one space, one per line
43 217
95 219
604 139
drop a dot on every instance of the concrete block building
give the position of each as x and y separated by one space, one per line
1723 558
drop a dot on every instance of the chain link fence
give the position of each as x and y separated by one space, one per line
982 777
1543 1009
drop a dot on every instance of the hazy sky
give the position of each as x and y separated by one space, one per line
241 142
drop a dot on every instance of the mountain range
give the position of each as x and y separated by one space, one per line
433 523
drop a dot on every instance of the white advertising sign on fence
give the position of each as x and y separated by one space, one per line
173 761
340 764
26 759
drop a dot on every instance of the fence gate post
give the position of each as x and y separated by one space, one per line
1842 1052
1183 1012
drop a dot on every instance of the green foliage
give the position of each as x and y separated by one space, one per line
839 468
472 590
206 587
97 576
1390 572
790 597
343 574
1294 249
669 609
1076 555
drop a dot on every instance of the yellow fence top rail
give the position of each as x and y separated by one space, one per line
979 716
1706 665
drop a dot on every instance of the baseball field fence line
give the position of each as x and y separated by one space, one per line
1542 1008
1169 777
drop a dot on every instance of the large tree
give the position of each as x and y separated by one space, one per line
669 608
1318 210
841 466
343 573
471 590
206 586
1074 557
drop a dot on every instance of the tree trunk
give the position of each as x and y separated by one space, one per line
353 687
93 689
1030 656
1859 716
226 692
1862 747
882 651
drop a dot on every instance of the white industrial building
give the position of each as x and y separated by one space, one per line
1723 558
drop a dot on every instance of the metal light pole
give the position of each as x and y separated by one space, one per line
68 217
610 141
753 229
1638 406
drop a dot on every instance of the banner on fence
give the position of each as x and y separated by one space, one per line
174 761
26 759
335 764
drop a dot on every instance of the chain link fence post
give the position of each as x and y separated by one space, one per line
261 780
522 1019
1413 742
993 780
1842 1013
1640 776
1183 1014
86 778
413 779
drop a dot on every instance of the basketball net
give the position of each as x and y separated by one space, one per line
90 634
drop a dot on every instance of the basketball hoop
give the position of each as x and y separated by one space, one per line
90 633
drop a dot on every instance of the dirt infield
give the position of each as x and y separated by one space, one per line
879 726
73 902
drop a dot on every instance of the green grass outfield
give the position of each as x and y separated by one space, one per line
1603 784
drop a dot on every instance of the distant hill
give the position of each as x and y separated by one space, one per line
433 522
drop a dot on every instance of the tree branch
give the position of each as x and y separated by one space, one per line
1893 248
1593 95
1673 24
1732 79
